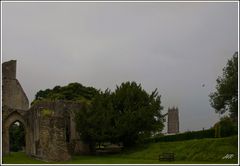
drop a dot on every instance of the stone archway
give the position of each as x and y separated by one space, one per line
17 137
7 122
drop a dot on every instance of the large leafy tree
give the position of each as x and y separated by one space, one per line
225 98
124 116
138 113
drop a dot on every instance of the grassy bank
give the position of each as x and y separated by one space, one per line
210 150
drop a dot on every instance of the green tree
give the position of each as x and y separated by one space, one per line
95 121
124 116
225 98
138 114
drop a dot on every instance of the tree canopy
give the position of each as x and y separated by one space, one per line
138 113
225 98
73 92
123 116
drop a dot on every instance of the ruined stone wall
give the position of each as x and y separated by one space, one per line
51 133
13 94
52 144
173 121
54 133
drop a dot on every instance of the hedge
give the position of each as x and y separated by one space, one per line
209 133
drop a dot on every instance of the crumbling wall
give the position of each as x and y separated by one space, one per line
52 143
51 133
55 136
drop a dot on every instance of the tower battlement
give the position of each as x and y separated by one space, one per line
9 69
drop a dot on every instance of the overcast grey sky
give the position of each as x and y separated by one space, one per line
175 47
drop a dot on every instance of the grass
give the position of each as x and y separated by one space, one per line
197 151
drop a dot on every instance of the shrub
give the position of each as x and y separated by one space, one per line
227 127
46 112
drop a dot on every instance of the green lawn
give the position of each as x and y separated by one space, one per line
201 151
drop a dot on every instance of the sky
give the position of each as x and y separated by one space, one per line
174 47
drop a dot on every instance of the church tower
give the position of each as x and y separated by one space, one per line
173 120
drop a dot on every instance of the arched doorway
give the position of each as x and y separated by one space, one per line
67 129
12 120
17 140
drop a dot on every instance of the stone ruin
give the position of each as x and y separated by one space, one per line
50 131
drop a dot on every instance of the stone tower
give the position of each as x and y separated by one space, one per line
14 104
13 95
173 120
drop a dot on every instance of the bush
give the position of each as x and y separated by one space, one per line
227 127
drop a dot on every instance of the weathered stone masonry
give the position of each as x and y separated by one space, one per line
50 132
53 130
12 94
